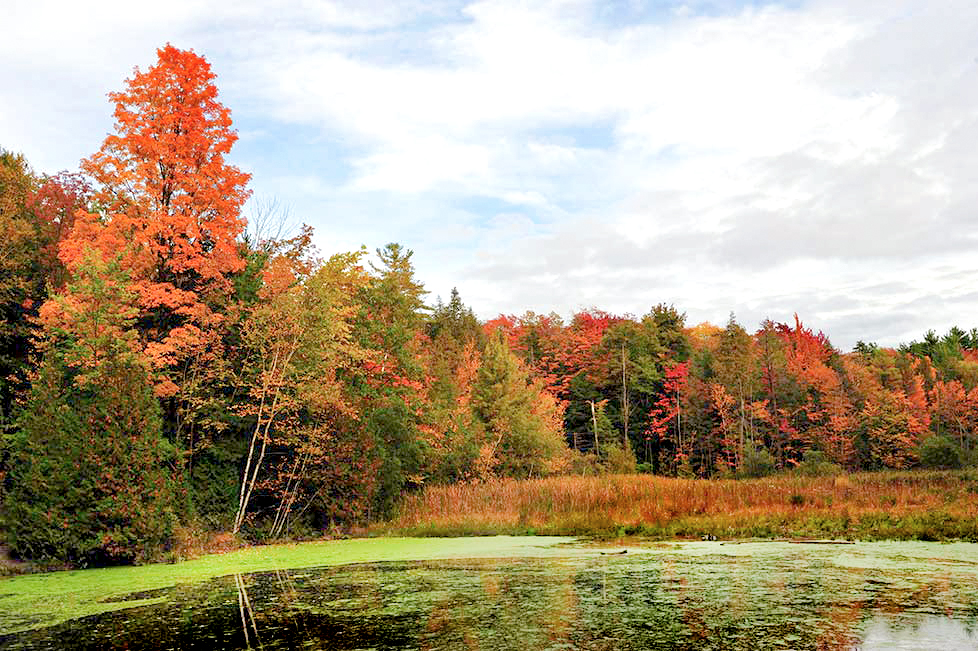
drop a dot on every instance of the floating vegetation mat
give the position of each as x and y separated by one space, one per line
677 596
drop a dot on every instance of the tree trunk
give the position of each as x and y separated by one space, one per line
594 420
624 399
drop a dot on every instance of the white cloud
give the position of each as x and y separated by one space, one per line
771 159
414 165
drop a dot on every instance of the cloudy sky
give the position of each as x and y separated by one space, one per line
760 159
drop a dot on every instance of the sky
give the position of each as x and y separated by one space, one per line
725 157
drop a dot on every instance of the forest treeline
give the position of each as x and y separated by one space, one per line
165 363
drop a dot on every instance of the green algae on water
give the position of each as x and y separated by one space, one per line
39 600
530 593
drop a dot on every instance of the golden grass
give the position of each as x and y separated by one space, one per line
929 505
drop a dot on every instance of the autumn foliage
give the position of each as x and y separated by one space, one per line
169 205
160 364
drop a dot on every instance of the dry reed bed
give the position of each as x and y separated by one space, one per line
576 505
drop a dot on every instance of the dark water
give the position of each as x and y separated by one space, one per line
790 600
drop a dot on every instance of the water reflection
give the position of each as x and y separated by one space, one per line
927 632
798 600
247 614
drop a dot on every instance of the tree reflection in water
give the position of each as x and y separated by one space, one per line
798 600
247 614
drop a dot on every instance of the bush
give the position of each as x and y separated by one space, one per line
684 469
756 462
969 458
585 464
940 452
396 443
815 463
618 461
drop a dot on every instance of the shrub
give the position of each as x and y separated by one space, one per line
969 458
940 452
684 469
756 462
618 461
523 422
815 463
396 443
585 464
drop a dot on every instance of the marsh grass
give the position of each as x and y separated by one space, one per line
865 506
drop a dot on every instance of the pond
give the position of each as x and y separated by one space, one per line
675 596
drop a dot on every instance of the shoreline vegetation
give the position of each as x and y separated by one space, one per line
936 506
911 505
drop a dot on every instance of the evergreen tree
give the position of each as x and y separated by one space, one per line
90 476
523 424
389 324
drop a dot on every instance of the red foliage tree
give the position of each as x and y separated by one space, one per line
54 205
540 342
665 418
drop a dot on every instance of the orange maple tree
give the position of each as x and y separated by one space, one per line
169 205
828 409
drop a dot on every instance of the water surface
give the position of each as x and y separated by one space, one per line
696 596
